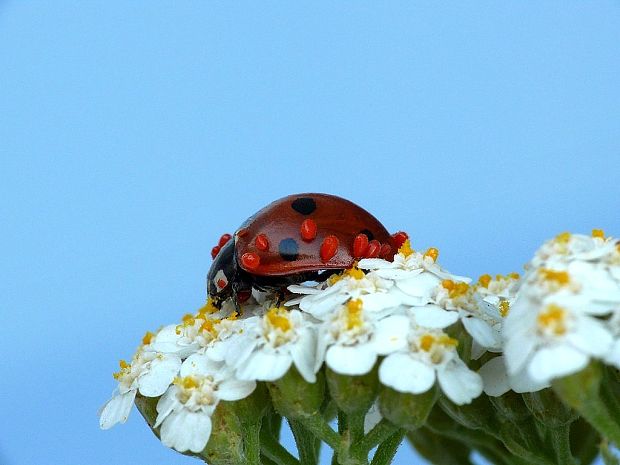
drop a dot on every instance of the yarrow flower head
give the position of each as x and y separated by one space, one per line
561 316
184 411
149 373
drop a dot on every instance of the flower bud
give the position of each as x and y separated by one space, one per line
353 394
253 408
548 409
581 388
293 397
405 410
225 446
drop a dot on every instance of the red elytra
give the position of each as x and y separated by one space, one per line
309 232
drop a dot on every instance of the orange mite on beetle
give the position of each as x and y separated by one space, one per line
297 238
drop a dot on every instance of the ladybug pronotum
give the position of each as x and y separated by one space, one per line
296 239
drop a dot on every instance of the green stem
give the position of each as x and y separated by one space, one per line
560 439
305 442
356 426
274 451
380 433
318 426
251 440
387 449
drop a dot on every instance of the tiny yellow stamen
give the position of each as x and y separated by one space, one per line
563 238
187 382
333 279
598 233
427 341
207 309
209 327
433 253
355 273
123 364
354 314
560 277
188 319
504 308
124 368
147 338
447 284
233 316
406 249
553 318
514 275
278 319
484 280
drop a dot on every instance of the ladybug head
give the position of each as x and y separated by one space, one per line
222 274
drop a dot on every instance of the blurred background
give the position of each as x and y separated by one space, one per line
132 134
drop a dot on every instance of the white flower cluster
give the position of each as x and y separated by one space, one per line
401 314
395 309
565 312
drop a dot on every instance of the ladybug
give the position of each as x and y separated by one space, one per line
297 238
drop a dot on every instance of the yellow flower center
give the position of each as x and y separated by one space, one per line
484 280
406 249
598 233
147 338
354 314
514 275
124 370
563 238
278 318
428 341
354 272
560 278
504 308
553 318
433 253
455 289
207 309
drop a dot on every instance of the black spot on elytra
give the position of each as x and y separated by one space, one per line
304 205
288 249
368 233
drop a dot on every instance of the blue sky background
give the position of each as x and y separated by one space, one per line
132 134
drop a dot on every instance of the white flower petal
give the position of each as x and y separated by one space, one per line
482 332
591 336
235 389
459 383
374 264
303 353
265 366
200 364
406 374
163 369
433 316
351 360
390 334
495 377
117 409
185 430
554 362
421 285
